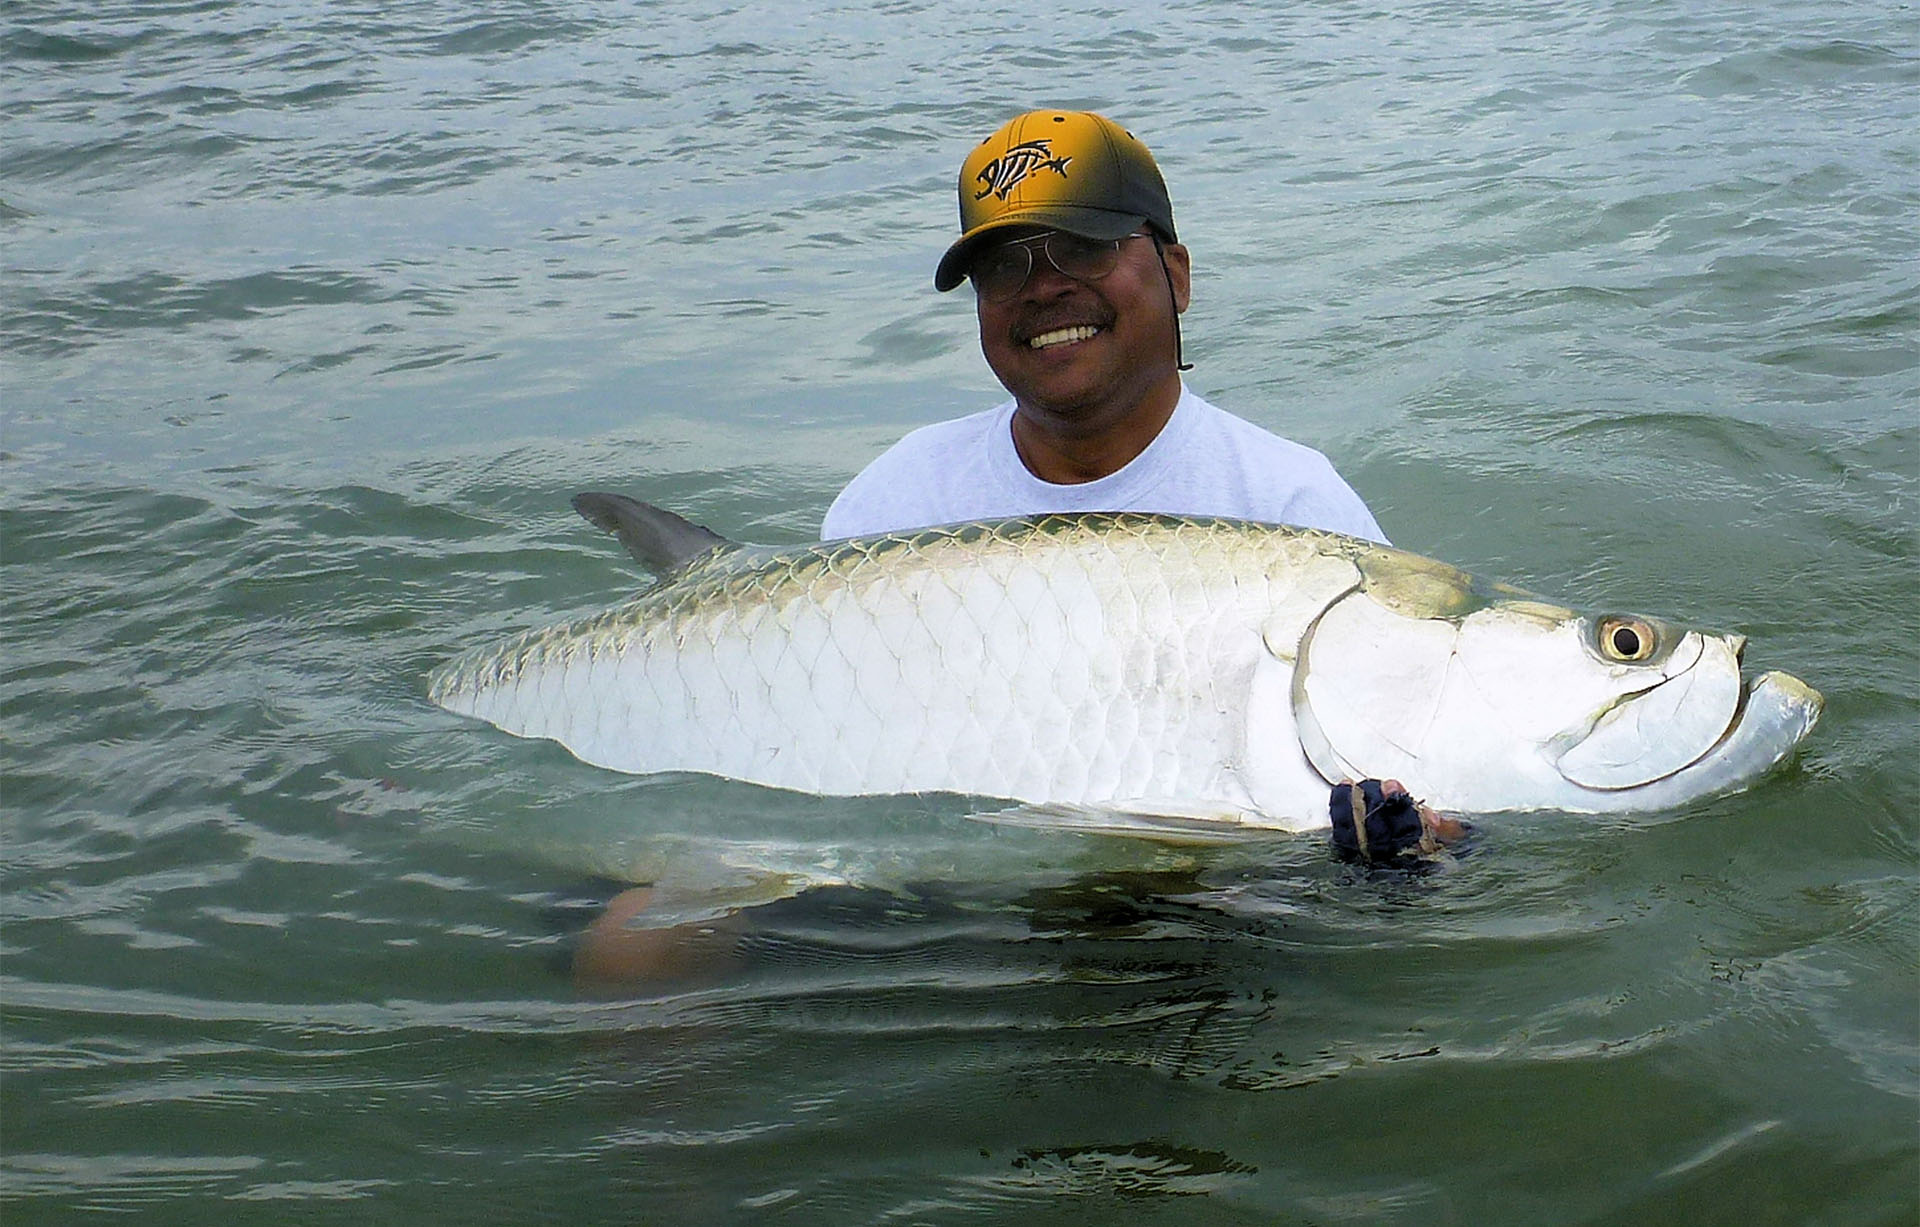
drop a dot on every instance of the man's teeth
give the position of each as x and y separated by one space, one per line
1061 336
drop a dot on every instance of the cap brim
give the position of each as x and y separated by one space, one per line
1086 222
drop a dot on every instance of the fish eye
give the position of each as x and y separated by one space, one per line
1627 640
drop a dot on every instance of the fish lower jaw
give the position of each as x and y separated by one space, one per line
1063 336
1776 713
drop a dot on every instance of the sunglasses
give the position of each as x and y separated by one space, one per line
999 272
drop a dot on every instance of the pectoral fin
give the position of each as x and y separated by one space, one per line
1164 820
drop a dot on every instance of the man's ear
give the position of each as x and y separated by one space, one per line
1179 273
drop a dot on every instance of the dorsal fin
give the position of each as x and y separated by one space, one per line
655 537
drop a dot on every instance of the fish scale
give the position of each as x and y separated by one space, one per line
1035 676
1147 664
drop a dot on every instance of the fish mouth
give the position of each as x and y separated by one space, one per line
1775 713
1767 719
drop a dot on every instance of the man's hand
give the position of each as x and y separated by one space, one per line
1376 820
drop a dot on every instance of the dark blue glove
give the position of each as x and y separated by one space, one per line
1385 824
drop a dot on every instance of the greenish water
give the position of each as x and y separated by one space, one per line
314 317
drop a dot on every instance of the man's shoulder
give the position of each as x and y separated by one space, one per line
942 435
1273 477
1231 434
935 444
912 480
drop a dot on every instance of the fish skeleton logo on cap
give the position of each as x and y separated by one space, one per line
1006 172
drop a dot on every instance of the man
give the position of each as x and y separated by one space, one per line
1079 281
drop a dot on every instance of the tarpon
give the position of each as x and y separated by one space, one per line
1200 671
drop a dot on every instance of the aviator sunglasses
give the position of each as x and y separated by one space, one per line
999 272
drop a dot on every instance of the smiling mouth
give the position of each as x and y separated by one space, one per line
1062 336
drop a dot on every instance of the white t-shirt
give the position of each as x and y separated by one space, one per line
1204 462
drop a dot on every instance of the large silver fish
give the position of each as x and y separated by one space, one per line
1200 671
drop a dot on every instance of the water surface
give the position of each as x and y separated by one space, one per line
315 316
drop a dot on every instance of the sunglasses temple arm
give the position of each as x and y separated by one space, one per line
1180 362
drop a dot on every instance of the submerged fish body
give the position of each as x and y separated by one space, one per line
1204 671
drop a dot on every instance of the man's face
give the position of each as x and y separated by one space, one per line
1038 345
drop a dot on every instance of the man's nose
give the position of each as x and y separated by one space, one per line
1044 280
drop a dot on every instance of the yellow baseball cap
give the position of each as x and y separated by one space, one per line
1065 170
